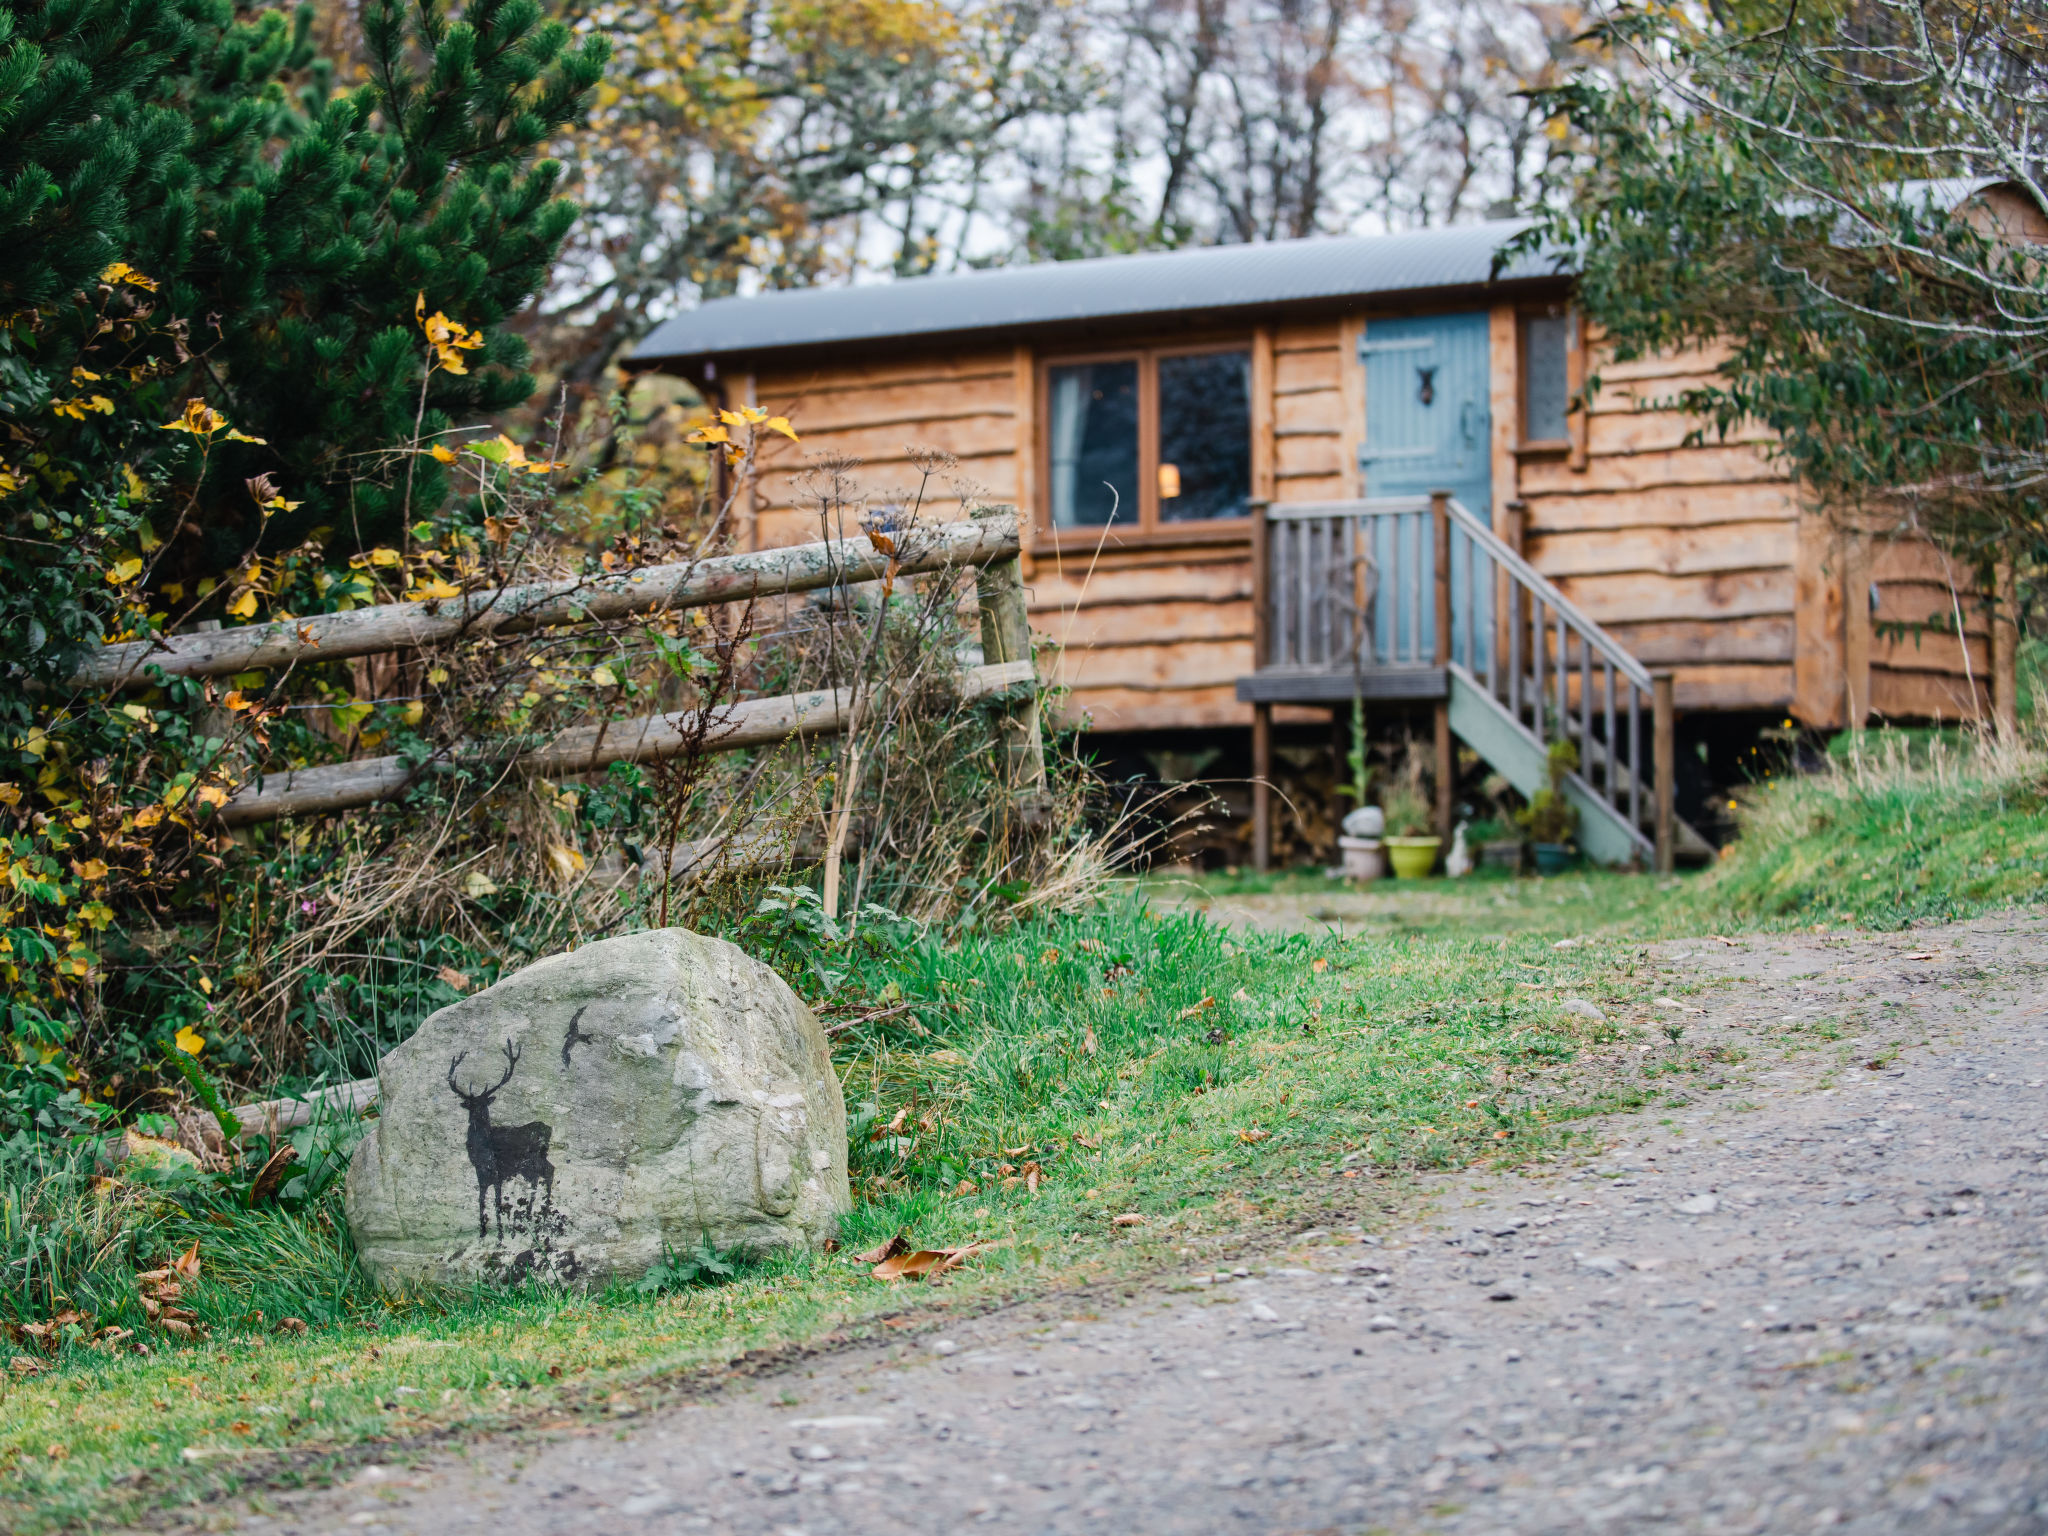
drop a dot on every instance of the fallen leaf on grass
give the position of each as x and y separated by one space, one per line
292 1325
1319 965
1672 1002
1128 1219
1253 1135
271 1176
1193 1009
1088 1042
24 1366
929 1263
186 1264
895 1245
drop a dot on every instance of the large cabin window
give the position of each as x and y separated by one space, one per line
1547 339
1094 444
1149 437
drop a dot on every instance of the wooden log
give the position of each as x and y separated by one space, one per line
586 749
514 610
274 1115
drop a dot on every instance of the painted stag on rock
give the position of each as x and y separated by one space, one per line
501 1152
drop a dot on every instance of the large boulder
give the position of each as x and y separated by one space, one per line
568 1122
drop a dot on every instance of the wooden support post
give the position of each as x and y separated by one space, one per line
1858 621
2005 653
1446 761
750 489
1665 752
1006 637
1262 714
1262 786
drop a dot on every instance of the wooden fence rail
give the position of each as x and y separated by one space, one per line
584 749
976 541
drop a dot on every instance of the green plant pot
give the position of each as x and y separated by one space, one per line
1413 857
1504 853
1555 858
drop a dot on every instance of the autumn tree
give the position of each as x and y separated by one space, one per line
785 144
1844 200
215 267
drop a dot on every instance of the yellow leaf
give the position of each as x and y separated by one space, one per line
413 713
448 338
438 676
383 556
604 677
445 454
149 816
121 272
190 1041
710 435
90 869
781 424
566 861
479 885
84 376
199 419
237 436
10 794
244 607
433 588
211 795
138 712
235 701
125 571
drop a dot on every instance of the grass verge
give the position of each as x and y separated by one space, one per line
1027 1088
1039 1085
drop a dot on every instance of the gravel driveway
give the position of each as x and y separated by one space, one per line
1815 1299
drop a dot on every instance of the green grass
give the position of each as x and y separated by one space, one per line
1214 1084
1902 829
1224 1084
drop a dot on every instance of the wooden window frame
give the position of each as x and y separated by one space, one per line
1150 530
1574 351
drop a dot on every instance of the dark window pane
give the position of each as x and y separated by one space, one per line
1205 436
1094 444
1546 383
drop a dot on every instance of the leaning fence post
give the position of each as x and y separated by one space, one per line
1666 752
1006 636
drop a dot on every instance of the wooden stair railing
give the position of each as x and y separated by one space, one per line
1420 581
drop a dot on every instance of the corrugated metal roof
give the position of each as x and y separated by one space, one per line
1153 283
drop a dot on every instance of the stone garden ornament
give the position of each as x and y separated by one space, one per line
566 1124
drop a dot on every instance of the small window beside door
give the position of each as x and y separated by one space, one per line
1548 338
1149 438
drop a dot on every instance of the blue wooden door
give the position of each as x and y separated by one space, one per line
1428 427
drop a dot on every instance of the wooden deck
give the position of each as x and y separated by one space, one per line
1414 598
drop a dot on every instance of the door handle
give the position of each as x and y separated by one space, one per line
1473 419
